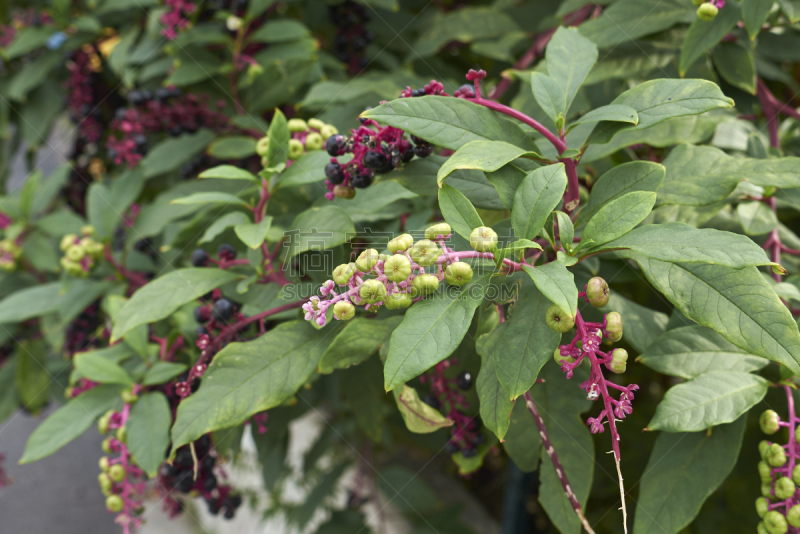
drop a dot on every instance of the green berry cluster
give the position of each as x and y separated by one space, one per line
9 254
306 136
777 483
81 252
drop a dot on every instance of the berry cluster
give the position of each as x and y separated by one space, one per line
306 136
465 435
81 253
779 506
81 333
352 37
10 252
22 19
176 17
82 103
180 477
163 110
121 480
707 10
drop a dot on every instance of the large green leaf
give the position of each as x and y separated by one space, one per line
481 155
710 399
630 19
95 366
620 180
148 431
495 403
522 441
247 378
361 387
308 168
704 34
556 283
465 25
617 217
737 303
431 330
537 196
449 122
736 65
359 340
69 422
611 112
171 154
252 234
318 229
754 14
228 172
158 299
570 57
690 351
419 417
279 135
756 217
684 469
29 302
458 211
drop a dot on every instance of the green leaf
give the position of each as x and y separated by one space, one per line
278 133
247 378
223 223
171 154
148 431
252 234
620 180
458 211
419 417
550 97
449 122
495 403
756 217
158 299
626 20
279 31
713 398
233 147
228 172
31 75
690 351
557 284
360 339
570 57
361 387
27 39
684 469
69 422
308 168
704 34
737 303
466 25
736 65
161 372
482 155
642 325
611 112
754 14
29 303
210 198
94 366
319 228
617 217
537 196
678 242
431 330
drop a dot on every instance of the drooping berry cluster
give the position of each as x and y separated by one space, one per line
180 477
82 103
82 332
121 480
306 136
352 36
81 252
176 18
465 435
779 506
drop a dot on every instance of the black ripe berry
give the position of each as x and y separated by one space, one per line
469 451
431 401
135 97
464 380
362 180
213 507
334 173
226 252
335 145
229 513
210 483
452 447
199 257
202 331
478 439
423 151
223 309
377 161
201 314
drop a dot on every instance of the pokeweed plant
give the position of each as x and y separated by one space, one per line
275 209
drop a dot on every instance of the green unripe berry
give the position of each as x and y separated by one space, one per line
766 490
425 252
116 473
342 191
262 147
367 260
764 471
769 422
560 359
597 292
87 230
400 243
398 301
397 268
424 284
106 446
559 320
707 11
297 125
441 229
105 419
792 516
296 149
343 273
344 310
762 506
784 488
328 130
67 241
316 124
103 463
613 327
776 457
761 528
372 291
458 273
121 434
114 503
775 522
796 474
314 141
763 448
105 483
129 397
619 361
483 239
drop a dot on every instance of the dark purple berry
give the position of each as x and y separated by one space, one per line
423 151
226 251
362 180
375 160
209 462
135 97
478 439
229 513
210 483
464 380
213 507
431 401
185 484
199 257
222 310
452 447
469 451
334 173
201 314
335 145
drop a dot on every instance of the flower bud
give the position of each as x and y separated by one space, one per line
425 252
327 131
619 361
233 23
762 506
775 522
296 149
316 124
764 472
613 328
344 310
314 141
458 273
297 125
792 516
483 239
424 284
343 273
397 268
342 191
776 457
561 359
103 463
372 291
114 503
784 488
769 422
763 448
67 241
441 229
400 243
116 473
707 11
367 260
262 147
559 320
597 292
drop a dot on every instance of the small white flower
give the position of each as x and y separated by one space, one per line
233 23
